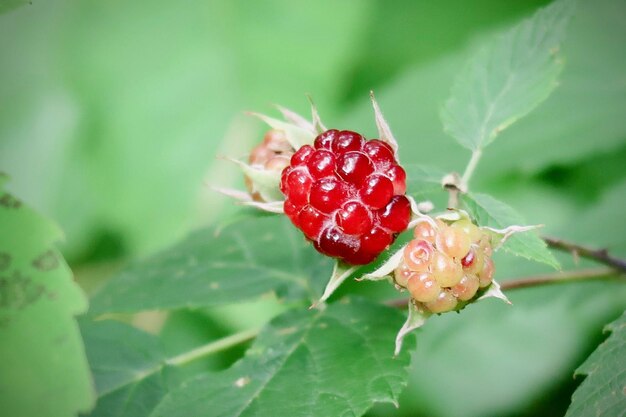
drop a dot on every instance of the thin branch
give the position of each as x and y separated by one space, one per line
213 347
538 280
599 255
559 278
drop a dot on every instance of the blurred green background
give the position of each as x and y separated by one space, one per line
113 115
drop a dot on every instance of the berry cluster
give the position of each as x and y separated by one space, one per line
445 265
273 154
346 194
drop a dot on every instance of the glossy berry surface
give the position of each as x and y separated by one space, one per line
446 264
346 194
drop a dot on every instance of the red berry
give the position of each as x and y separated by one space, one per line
325 140
379 152
347 141
342 193
377 191
302 155
354 167
397 175
333 242
299 184
354 218
311 221
376 240
327 194
291 211
395 216
321 164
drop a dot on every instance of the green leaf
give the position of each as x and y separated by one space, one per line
244 261
588 104
507 78
8 5
493 213
44 370
334 362
128 368
603 392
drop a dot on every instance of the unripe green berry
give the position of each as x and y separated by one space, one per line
453 241
466 288
470 229
402 274
445 302
423 287
418 255
424 230
446 270
486 274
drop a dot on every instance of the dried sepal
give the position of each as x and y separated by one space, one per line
293 117
318 126
416 318
241 196
265 182
246 199
384 131
341 272
386 269
295 135
271 207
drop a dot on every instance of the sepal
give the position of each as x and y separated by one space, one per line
295 135
386 269
416 319
384 131
341 272
495 291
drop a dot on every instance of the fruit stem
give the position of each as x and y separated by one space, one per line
599 255
559 277
213 347
469 170
537 280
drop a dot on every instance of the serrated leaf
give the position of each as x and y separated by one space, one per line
245 260
334 362
128 368
507 78
494 213
603 392
44 370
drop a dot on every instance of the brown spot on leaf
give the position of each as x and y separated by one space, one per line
10 202
18 291
46 261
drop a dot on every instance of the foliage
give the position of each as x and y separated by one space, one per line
115 138
602 392
44 370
